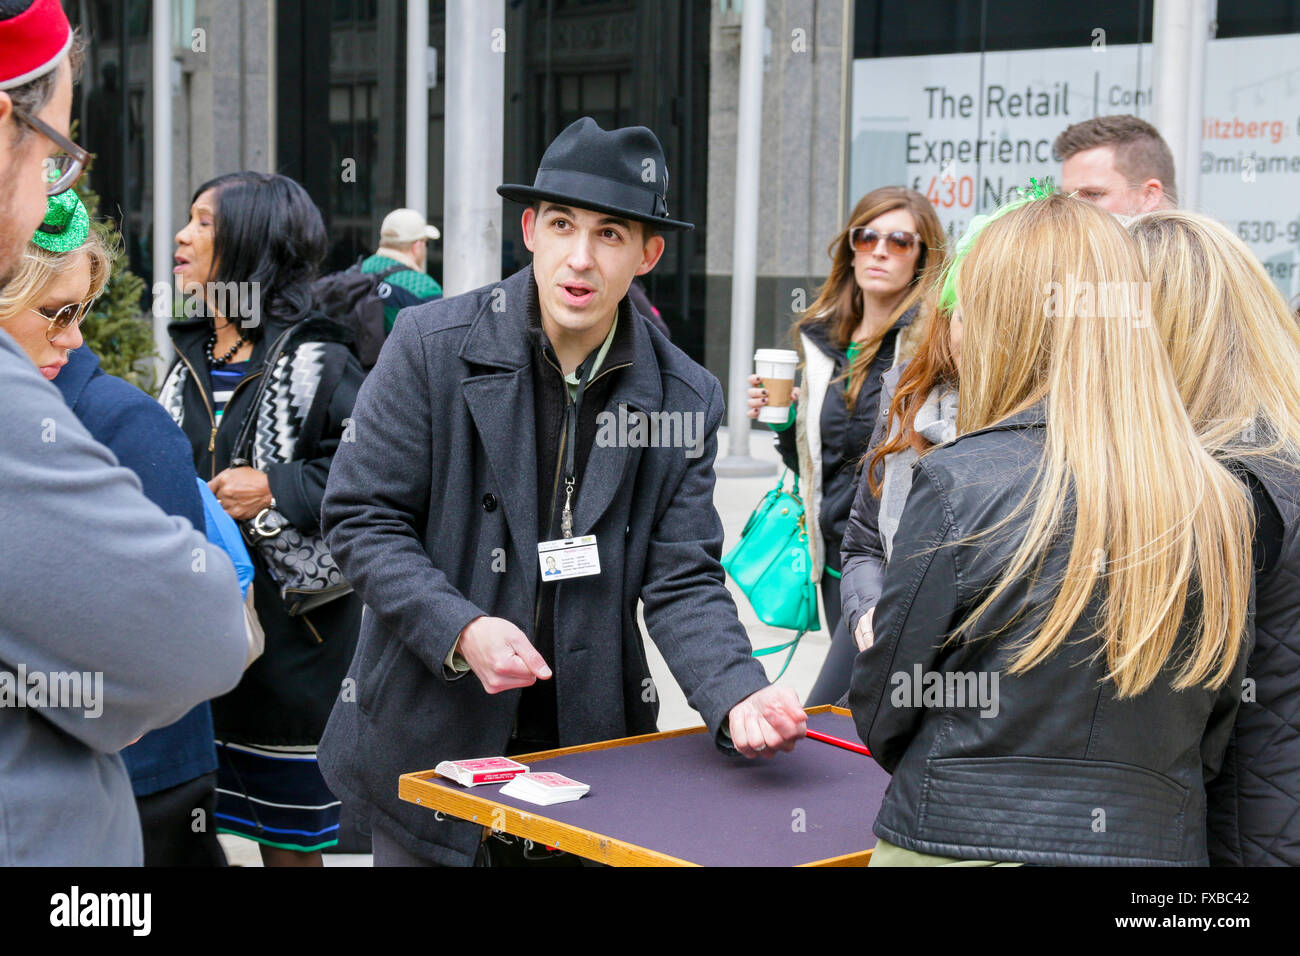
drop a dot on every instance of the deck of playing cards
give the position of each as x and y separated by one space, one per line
471 773
544 789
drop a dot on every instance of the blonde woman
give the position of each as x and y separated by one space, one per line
868 317
1058 645
65 269
1235 348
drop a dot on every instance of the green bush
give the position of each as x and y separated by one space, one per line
117 329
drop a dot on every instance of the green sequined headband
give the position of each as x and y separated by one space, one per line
1035 191
66 225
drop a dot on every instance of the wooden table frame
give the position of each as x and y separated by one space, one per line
531 825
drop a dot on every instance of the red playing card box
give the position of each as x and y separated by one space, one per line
471 773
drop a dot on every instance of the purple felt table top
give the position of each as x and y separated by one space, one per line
684 797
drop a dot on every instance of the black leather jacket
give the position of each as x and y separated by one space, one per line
1046 767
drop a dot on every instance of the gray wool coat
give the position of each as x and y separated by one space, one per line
431 512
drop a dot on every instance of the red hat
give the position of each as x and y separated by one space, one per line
32 42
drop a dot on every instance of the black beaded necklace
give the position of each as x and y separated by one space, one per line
212 345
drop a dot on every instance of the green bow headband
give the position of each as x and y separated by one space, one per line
66 225
1035 191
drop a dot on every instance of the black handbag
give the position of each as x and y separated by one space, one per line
298 562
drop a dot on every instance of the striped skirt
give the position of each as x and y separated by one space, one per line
276 796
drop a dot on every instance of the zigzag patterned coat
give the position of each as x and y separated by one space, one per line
285 697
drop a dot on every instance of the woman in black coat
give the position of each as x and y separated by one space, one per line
245 262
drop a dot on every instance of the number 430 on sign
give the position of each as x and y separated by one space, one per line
948 191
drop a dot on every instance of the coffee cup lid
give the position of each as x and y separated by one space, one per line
776 355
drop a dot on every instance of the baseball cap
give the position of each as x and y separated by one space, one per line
407 225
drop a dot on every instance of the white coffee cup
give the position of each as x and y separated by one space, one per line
776 369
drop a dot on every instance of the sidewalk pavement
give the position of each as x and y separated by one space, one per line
735 499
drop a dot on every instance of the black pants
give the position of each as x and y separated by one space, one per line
833 681
174 834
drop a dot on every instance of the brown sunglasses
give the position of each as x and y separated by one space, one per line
71 314
862 239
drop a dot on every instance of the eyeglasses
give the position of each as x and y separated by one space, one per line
862 239
72 314
62 170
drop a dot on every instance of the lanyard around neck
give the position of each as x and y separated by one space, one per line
570 459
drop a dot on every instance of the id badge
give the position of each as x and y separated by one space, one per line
568 558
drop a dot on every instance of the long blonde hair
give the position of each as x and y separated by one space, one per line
839 302
1155 520
40 268
1233 342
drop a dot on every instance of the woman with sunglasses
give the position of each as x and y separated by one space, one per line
63 272
245 262
884 266
65 269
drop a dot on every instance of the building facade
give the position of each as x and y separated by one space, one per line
856 94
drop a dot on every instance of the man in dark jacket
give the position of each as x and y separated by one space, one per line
480 444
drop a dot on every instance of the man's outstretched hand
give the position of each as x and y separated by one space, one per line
767 721
500 655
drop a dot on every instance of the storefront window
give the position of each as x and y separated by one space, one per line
963 100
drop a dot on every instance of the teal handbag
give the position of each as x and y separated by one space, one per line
772 566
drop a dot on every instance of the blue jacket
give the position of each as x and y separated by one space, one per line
145 439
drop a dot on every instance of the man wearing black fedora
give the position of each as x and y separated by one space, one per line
479 457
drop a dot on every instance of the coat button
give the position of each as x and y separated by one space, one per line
489 502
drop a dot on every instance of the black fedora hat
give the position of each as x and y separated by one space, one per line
618 171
